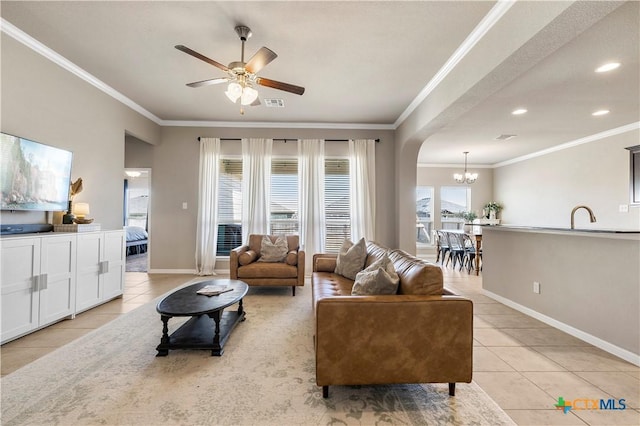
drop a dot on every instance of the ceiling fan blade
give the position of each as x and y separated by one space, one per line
280 86
260 60
195 54
208 82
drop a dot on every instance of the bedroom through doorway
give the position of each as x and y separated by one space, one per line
137 184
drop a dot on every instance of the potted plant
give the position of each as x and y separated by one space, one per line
493 208
468 217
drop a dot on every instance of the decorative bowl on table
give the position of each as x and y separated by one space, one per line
82 221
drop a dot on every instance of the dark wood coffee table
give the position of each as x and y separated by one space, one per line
210 326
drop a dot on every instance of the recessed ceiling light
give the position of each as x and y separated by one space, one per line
519 111
608 67
601 112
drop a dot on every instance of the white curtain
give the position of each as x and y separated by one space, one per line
207 225
311 197
362 173
256 185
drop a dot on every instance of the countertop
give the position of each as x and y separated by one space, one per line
627 234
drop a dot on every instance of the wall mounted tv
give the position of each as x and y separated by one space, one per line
33 176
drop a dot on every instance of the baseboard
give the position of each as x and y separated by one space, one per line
171 271
591 339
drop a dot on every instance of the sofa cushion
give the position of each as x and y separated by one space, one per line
378 278
247 257
273 251
292 258
267 270
351 258
416 275
375 252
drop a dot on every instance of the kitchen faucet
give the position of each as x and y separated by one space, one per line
592 217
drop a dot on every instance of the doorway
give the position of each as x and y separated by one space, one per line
137 191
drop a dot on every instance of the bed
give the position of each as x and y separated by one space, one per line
137 239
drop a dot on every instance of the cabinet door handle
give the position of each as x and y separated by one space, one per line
104 267
44 278
35 283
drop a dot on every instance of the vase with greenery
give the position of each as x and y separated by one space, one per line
493 208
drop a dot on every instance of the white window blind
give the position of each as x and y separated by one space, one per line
284 196
229 206
337 205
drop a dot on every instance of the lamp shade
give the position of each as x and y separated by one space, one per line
81 209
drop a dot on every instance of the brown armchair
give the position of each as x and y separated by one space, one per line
244 264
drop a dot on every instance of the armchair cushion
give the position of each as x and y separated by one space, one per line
351 258
378 278
273 251
247 257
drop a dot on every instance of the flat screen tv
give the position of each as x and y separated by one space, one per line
33 176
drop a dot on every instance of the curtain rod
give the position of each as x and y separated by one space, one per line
287 140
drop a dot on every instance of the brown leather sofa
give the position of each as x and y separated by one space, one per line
244 265
423 334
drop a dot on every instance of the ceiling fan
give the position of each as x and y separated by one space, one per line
242 76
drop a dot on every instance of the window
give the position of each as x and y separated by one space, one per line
229 206
424 214
337 203
284 196
453 200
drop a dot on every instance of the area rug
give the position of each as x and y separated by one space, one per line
111 376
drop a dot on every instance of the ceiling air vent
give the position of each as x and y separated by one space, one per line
505 137
274 103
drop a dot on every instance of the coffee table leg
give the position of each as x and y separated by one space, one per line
165 337
240 309
217 349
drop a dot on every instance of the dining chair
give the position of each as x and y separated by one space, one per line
456 248
442 246
469 252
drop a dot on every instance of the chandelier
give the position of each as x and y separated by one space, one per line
467 177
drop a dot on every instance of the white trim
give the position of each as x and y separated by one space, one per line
19 35
595 341
457 165
277 125
490 19
172 271
571 144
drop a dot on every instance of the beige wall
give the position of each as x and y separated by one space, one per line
542 191
43 102
175 180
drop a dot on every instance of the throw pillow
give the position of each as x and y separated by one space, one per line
351 258
247 257
378 278
273 252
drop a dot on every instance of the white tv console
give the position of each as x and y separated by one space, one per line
51 276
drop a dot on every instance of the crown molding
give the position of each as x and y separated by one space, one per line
24 38
276 125
30 42
490 19
591 138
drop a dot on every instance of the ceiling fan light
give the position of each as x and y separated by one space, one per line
249 95
234 91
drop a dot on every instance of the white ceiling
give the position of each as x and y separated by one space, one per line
361 63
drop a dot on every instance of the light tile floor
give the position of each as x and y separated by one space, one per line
522 363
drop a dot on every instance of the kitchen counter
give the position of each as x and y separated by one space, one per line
588 280
627 234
